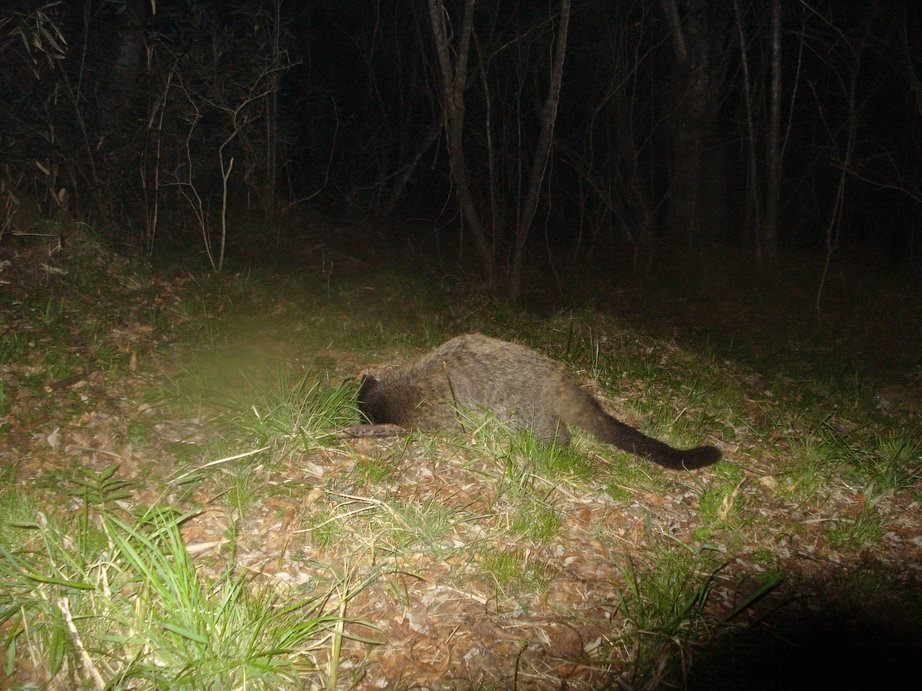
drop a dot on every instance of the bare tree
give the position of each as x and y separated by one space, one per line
454 83
698 194
542 152
773 145
843 59
763 185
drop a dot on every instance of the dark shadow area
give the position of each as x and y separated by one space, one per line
828 639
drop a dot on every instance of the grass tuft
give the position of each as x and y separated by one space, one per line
663 601
864 530
514 571
119 602
291 414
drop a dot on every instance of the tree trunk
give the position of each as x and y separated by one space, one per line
454 81
542 152
698 189
773 155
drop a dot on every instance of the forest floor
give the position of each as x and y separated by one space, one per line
478 558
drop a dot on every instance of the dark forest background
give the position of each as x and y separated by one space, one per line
528 134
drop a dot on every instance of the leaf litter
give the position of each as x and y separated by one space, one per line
458 597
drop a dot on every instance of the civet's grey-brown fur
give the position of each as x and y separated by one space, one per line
518 385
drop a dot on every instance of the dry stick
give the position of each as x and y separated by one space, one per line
193 198
238 127
368 500
191 194
153 216
337 642
334 519
225 174
88 665
339 629
219 461
454 398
